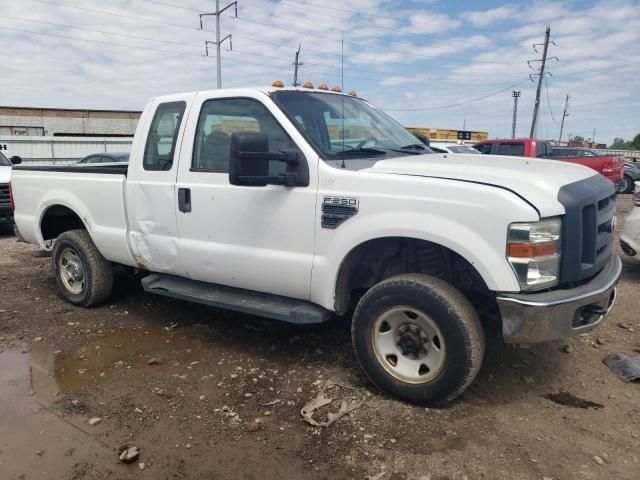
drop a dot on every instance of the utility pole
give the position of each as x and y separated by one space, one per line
516 95
593 139
218 41
541 74
564 115
297 64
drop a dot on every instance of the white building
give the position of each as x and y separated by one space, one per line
61 122
45 136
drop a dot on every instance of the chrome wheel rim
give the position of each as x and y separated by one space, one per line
71 271
623 185
409 345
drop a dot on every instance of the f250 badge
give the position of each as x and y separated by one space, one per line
336 210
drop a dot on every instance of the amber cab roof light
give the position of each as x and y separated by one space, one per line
336 89
307 85
277 83
323 86
352 93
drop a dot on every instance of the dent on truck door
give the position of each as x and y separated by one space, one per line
153 233
257 238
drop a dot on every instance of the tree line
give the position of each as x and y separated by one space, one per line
622 144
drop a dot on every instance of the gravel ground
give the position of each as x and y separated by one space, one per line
207 394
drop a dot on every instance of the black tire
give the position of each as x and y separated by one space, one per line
97 276
625 185
454 317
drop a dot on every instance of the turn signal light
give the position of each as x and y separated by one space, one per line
532 250
308 85
278 84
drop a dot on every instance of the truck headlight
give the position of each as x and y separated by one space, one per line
533 250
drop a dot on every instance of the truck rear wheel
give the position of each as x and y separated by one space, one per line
83 275
418 338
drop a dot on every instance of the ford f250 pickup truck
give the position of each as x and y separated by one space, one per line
298 204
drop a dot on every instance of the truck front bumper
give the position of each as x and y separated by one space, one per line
542 317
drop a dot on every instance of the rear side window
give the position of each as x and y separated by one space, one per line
484 148
564 152
219 118
163 136
513 149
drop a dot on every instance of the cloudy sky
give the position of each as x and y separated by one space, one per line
438 64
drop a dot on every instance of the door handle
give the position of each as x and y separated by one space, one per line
184 200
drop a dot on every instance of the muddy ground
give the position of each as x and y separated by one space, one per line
207 394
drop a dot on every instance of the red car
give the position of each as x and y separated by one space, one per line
611 166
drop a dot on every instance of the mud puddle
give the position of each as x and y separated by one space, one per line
35 443
62 372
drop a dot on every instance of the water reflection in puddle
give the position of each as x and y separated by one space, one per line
58 372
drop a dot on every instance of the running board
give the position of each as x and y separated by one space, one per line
256 303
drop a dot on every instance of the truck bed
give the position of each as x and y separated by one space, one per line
44 195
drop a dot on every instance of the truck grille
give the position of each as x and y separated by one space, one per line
587 228
4 196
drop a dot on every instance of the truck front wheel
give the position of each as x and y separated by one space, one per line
83 275
418 338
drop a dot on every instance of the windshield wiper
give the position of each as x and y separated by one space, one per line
414 146
366 150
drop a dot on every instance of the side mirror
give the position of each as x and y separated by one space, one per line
249 161
16 160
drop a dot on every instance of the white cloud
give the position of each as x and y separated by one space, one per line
483 18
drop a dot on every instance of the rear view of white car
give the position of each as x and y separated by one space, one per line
452 148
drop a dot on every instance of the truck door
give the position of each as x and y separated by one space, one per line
257 238
150 186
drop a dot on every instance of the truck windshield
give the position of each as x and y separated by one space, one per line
3 161
344 127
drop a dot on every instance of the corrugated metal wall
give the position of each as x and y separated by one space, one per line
59 150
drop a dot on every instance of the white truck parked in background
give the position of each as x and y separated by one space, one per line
296 203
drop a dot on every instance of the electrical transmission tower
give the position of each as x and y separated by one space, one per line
516 96
541 73
564 115
218 41
296 64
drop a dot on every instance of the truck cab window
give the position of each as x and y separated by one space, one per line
220 118
163 135
512 149
484 148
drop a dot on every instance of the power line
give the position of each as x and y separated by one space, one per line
102 42
546 87
420 109
128 46
355 23
135 37
404 53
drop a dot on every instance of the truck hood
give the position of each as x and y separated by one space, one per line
5 174
535 180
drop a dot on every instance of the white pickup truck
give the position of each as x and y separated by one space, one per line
300 203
